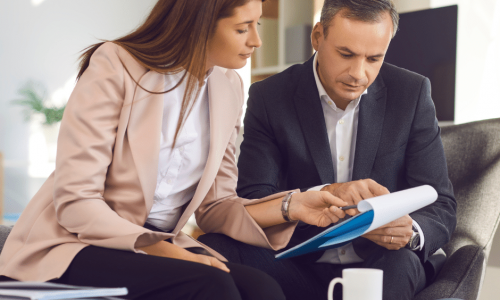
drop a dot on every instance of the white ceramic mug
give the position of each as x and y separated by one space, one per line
359 284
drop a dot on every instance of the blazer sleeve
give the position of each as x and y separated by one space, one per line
222 211
85 149
426 164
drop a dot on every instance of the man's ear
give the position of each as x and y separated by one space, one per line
317 35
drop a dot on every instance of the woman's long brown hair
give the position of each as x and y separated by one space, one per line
174 38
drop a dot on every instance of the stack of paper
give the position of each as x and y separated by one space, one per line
52 291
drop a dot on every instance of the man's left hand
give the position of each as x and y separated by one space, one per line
394 235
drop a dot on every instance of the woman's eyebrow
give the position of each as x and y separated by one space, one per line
246 22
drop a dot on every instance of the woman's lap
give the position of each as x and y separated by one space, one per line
152 277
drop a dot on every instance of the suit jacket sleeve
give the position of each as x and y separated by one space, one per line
426 164
222 211
85 149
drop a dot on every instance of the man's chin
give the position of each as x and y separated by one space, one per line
349 96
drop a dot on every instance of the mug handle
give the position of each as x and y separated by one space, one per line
332 285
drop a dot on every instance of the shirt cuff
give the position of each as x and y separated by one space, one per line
318 188
421 233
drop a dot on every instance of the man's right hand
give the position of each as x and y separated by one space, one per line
354 191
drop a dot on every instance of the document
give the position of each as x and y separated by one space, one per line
374 212
51 291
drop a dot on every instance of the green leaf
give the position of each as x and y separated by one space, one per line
33 97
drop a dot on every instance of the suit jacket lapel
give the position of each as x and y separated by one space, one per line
144 130
224 108
312 121
370 123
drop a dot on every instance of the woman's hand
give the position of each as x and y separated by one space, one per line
209 261
318 208
166 249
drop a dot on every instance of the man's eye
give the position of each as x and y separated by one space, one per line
346 55
373 59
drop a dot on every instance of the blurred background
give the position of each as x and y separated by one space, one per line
453 42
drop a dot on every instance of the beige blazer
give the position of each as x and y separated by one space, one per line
102 189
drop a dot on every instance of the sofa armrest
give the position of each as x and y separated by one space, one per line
460 276
4 233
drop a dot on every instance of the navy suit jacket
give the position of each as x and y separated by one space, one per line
398 144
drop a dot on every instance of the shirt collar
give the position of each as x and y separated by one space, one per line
322 92
209 72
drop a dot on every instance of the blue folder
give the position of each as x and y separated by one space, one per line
333 237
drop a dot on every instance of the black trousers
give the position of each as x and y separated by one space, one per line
152 277
300 279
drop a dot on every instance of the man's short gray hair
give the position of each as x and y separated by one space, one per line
362 10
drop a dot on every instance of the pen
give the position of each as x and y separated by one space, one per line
348 207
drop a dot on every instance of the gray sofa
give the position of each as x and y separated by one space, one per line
473 156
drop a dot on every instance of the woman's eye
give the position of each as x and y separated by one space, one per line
242 31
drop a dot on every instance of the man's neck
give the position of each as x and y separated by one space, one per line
339 102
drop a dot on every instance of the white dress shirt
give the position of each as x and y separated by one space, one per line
180 169
342 130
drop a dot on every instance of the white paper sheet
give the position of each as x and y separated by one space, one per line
388 208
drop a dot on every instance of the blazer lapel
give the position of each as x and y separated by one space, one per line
224 103
312 121
144 131
370 123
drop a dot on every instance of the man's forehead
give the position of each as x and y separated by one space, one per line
381 26
360 36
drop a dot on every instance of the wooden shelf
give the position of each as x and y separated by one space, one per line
277 17
270 9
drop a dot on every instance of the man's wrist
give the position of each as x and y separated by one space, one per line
414 242
318 187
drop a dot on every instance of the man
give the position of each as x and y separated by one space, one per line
347 123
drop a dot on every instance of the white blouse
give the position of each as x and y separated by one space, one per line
180 169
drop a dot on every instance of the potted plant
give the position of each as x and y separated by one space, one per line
33 99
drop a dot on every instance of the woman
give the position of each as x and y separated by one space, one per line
146 140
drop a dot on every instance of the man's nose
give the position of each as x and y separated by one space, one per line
357 70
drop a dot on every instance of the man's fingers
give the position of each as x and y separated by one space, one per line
388 242
393 231
376 189
332 200
366 194
404 221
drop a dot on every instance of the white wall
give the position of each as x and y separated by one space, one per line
42 42
478 47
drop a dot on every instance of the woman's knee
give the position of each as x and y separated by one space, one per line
216 284
254 284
